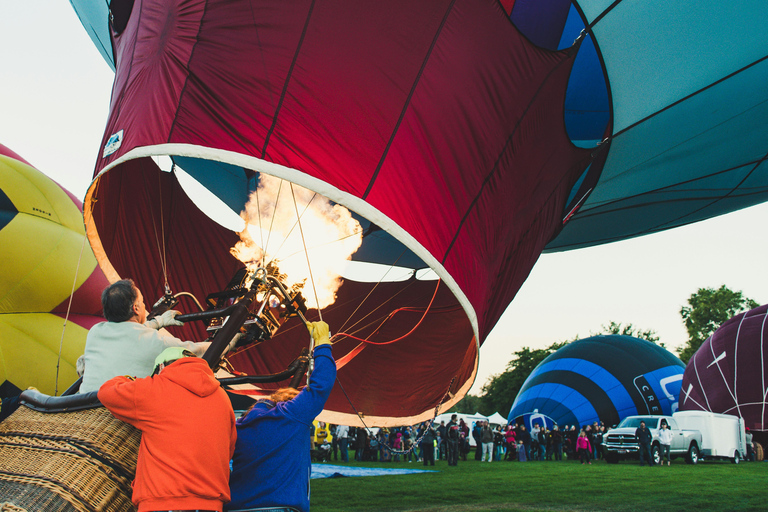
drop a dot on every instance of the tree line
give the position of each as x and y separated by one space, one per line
706 311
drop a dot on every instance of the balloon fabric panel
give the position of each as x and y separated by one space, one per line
42 244
581 386
578 406
673 41
615 391
656 54
705 115
541 21
7 210
727 373
29 345
87 297
666 385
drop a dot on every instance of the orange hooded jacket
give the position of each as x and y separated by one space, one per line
188 435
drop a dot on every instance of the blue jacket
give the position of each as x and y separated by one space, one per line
271 465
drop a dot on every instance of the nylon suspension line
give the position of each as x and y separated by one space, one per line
343 329
379 320
272 222
423 316
285 238
66 317
365 342
392 266
160 240
304 242
261 230
381 279
289 329
349 317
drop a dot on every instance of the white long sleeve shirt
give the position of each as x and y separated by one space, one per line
126 348
665 436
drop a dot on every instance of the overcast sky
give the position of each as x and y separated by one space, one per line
54 98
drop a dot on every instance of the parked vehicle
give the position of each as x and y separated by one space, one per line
621 442
722 436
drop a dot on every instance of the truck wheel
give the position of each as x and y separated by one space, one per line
611 458
656 454
693 454
736 457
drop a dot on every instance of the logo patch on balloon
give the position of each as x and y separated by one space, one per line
113 144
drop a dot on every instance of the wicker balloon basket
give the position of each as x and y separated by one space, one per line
759 452
67 461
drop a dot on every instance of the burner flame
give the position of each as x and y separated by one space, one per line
273 236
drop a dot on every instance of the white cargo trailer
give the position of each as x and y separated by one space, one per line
722 435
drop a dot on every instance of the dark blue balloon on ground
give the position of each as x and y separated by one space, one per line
602 378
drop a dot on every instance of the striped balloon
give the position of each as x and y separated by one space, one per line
602 378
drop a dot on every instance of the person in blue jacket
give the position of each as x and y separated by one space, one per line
271 465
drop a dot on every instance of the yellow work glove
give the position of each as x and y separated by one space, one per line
320 332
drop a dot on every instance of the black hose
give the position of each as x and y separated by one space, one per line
206 315
296 369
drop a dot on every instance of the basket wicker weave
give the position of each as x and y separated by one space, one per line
78 461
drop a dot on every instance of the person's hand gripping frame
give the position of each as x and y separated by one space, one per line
320 333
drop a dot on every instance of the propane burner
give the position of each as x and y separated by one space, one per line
255 303
271 307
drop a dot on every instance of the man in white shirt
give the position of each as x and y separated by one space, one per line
125 344
342 434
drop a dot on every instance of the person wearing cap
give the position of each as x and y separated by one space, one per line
177 468
127 344
271 466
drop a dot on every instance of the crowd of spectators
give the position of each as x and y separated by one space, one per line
428 442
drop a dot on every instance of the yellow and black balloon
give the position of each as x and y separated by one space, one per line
43 260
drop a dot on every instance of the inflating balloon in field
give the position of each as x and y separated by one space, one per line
602 378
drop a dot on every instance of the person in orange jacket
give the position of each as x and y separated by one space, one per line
177 470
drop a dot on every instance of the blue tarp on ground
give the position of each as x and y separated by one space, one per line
330 471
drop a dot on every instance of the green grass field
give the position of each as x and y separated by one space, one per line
551 486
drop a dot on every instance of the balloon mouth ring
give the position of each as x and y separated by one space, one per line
354 203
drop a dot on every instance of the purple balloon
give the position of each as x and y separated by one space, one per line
728 373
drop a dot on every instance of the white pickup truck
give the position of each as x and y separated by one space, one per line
621 442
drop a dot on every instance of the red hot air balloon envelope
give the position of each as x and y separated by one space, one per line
728 373
462 135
